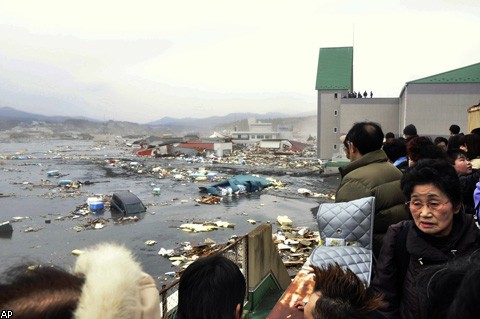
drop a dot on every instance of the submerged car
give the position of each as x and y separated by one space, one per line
127 203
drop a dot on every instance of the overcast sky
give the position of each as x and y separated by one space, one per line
142 60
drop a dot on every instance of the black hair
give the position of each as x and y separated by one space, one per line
440 139
210 288
395 149
454 141
366 136
438 172
452 155
454 128
452 289
476 131
389 135
472 142
32 291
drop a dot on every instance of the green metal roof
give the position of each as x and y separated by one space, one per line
467 74
335 69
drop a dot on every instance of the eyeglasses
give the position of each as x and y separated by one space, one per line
416 205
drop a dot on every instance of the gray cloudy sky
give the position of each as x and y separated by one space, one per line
142 60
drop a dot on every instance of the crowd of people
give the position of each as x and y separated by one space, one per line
426 243
426 235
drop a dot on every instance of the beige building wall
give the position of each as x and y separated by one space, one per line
432 108
381 110
328 128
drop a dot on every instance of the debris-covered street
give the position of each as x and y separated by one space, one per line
56 196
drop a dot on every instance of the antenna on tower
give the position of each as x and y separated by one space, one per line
353 35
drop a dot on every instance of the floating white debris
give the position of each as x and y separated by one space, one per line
99 226
150 242
251 221
181 258
77 252
165 252
197 227
284 221
177 263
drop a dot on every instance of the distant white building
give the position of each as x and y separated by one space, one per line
432 103
258 131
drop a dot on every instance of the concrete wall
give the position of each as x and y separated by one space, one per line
381 110
328 112
432 108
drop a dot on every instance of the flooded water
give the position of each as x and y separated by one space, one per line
27 193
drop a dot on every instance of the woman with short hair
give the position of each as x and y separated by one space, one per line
438 232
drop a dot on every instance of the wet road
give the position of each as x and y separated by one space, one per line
22 179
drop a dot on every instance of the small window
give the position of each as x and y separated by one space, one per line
336 95
334 146
334 130
335 113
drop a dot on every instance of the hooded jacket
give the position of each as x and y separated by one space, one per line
401 295
373 175
115 286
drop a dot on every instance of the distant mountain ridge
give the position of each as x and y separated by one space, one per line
11 118
10 113
215 120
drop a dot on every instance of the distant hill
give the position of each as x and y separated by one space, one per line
10 118
9 113
215 120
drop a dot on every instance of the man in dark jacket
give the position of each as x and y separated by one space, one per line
370 174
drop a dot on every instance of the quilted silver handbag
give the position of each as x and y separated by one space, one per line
346 233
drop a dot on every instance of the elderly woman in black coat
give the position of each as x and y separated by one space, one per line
439 232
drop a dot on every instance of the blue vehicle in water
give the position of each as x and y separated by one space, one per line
127 203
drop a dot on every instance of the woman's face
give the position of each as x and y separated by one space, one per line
462 165
432 210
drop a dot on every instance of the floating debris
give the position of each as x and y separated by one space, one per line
77 252
284 221
150 242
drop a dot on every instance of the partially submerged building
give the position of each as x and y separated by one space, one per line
432 103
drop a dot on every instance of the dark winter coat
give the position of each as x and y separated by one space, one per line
400 288
373 175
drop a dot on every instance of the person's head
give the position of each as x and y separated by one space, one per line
389 137
212 287
454 129
454 142
453 288
339 293
434 195
470 143
458 158
33 291
441 142
409 131
363 138
422 147
395 149
476 131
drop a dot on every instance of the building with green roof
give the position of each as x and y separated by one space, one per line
431 103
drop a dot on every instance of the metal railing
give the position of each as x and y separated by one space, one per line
236 251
